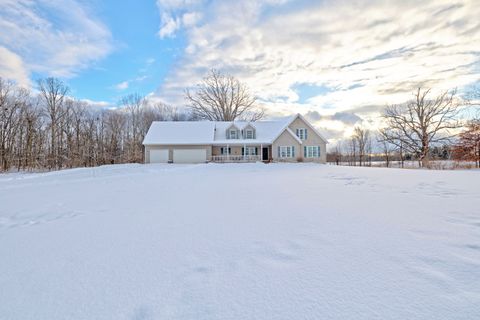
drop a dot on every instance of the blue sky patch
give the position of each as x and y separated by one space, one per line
305 91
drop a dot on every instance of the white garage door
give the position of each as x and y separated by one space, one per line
159 156
189 155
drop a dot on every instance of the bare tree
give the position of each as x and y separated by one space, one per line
11 101
222 97
386 147
50 130
352 151
473 97
115 127
337 153
7 113
476 101
369 150
72 127
53 92
419 123
163 112
362 138
133 104
30 146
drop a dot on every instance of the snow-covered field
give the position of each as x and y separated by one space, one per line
240 241
411 164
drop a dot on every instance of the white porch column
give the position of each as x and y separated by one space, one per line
244 150
261 152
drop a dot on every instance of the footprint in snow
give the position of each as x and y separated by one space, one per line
142 313
19 220
458 218
202 270
428 270
280 255
472 246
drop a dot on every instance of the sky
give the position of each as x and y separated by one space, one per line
337 62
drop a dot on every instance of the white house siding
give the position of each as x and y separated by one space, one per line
313 139
286 139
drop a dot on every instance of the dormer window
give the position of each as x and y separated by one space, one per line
249 134
232 132
302 133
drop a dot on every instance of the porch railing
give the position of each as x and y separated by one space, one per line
236 158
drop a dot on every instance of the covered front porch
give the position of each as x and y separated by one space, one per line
241 153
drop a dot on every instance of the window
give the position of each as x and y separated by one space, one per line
249 151
233 134
249 134
286 151
302 133
311 151
225 150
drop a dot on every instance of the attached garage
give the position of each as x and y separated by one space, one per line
189 155
159 156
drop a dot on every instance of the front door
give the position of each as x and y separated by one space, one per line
265 154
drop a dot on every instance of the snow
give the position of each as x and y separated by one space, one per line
180 132
240 241
434 164
265 131
214 132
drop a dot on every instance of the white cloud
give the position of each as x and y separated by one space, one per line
189 19
98 104
12 67
53 37
122 85
141 76
169 26
366 53
176 14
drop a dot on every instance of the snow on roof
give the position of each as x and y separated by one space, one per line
265 131
180 132
214 132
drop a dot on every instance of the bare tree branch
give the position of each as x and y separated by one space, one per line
421 122
222 98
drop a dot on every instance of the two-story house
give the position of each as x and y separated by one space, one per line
292 139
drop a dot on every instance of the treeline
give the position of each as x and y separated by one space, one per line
377 151
423 129
365 147
50 130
